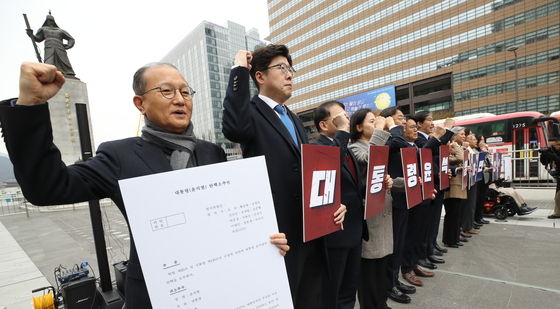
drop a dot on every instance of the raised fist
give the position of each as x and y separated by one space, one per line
448 123
342 121
389 122
38 82
243 58
439 132
379 123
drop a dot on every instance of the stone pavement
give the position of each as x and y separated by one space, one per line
511 264
505 266
18 274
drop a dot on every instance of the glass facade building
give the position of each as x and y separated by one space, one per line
205 57
452 57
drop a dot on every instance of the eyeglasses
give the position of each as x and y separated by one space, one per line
169 93
284 67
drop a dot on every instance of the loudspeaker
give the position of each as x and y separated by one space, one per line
79 294
120 275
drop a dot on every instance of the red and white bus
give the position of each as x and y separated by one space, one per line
517 136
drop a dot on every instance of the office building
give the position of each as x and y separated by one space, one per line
205 57
452 57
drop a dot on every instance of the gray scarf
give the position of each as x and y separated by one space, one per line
182 145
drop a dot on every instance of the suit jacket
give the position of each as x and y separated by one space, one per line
395 169
353 193
259 130
46 180
456 160
380 227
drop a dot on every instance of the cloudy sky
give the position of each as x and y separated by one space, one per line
113 39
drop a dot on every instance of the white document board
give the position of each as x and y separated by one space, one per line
202 236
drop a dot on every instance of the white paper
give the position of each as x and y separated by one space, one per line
202 236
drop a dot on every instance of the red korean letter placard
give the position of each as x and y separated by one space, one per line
427 169
444 166
375 186
321 190
412 186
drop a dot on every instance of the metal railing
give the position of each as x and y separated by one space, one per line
12 202
526 169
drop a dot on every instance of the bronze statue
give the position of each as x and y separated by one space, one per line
55 48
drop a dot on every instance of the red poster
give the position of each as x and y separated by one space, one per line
444 166
376 187
465 178
413 189
427 168
321 189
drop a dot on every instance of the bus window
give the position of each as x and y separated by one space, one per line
493 130
519 153
533 155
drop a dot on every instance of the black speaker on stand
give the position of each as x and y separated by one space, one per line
107 297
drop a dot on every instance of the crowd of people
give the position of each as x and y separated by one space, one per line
368 257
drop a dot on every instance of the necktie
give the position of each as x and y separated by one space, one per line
281 110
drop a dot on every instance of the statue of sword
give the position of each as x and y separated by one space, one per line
32 40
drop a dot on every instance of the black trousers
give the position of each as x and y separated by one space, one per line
467 217
416 235
400 221
372 293
435 217
451 222
308 275
344 264
481 191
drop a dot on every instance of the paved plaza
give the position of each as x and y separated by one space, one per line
510 264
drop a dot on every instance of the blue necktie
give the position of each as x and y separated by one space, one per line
281 110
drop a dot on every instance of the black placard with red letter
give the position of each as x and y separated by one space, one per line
375 186
321 190
443 167
413 189
427 168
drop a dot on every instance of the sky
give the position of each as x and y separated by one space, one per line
113 39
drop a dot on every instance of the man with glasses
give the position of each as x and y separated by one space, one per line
167 143
424 216
344 247
263 125
403 134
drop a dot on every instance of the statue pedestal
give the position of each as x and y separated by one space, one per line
62 108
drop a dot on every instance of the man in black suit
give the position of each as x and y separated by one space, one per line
421 218
263 125
344 247
403 135
167 143
426 131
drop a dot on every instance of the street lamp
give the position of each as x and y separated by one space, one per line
514 50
